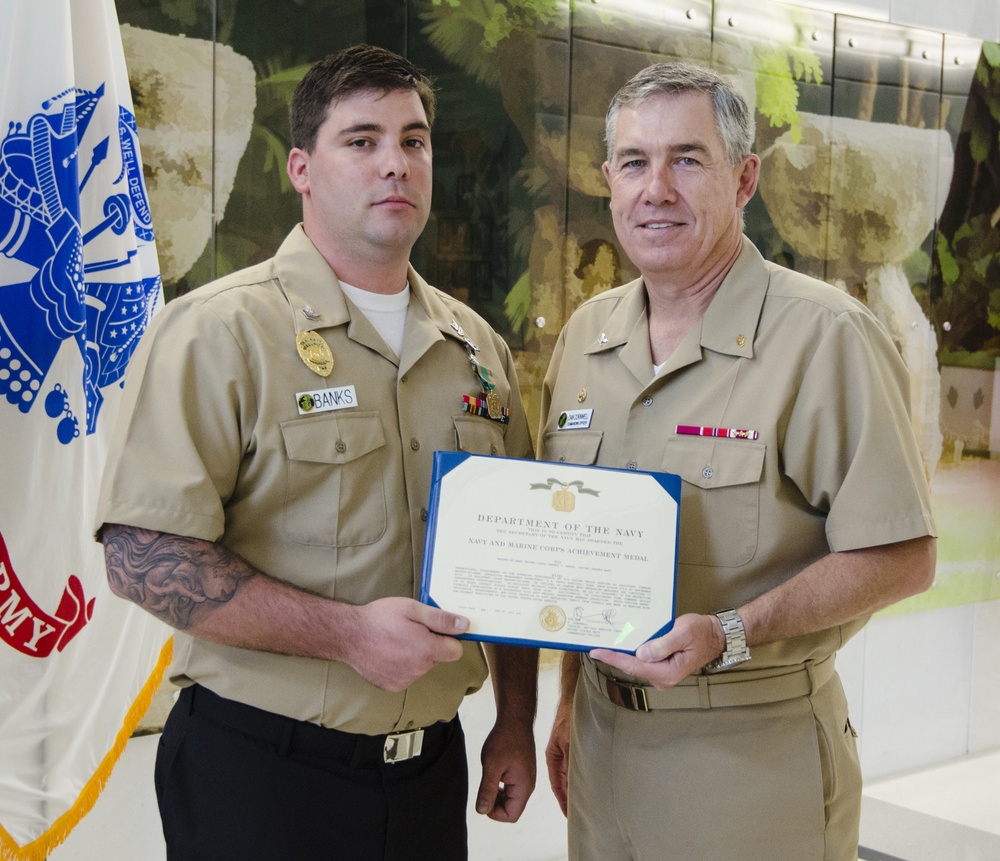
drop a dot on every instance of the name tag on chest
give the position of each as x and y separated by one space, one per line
326 400
574 419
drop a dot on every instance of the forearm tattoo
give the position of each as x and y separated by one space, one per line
179 580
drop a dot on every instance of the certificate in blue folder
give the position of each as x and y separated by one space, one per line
552 554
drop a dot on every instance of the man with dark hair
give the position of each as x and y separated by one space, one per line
782 404
329 80
266 496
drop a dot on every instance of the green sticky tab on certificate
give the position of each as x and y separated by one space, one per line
628 629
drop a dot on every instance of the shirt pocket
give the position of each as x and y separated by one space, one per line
478 436
575 446
720 499
335 491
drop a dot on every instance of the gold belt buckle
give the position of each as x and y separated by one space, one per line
631 697
401 746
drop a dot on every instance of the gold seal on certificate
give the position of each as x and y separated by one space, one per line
556 554
552 617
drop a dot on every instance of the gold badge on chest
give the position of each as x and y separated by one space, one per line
315 352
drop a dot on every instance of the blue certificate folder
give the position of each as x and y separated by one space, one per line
556 555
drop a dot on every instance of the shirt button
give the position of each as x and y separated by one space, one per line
708 472
415 444
341 446
402 379
647 401
423 514
632 465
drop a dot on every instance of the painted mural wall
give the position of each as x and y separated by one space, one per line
881 175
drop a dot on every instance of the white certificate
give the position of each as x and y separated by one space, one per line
552 554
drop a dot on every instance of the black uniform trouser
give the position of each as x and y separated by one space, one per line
235 783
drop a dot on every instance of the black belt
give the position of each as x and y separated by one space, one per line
289 735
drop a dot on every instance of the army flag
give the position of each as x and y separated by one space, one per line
79 282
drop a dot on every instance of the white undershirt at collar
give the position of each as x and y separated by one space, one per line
385 311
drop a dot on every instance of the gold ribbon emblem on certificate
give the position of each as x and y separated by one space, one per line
552 617
564 499
315 352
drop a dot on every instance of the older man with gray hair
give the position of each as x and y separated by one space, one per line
782 404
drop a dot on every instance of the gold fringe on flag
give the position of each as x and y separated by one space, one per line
38 850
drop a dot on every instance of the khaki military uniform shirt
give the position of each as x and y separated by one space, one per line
212 443
834 465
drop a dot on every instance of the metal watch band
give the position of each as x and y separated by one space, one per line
736 651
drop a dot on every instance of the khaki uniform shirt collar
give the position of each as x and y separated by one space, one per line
307 280
628 313
318 302
730 322
728 326
428 321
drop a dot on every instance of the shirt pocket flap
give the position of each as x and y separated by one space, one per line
333 439
478 436
575 446
709 462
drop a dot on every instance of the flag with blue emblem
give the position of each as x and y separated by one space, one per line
79 282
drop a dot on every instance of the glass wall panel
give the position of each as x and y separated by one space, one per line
503 110
964 300
783 55
879 145
888 83
500 165
169 51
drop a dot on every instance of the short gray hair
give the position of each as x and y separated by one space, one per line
733 117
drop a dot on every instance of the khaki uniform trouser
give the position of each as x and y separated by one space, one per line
769 781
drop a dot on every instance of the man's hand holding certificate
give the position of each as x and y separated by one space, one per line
552 554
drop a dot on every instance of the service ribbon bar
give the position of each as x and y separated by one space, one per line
479 407
728 433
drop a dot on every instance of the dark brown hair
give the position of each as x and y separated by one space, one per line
357 69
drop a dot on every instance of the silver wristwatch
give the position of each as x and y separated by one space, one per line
736 651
